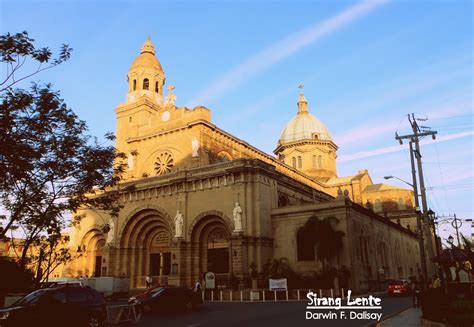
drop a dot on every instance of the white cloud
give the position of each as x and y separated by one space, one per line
283 49
396 148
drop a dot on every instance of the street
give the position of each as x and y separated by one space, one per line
263 314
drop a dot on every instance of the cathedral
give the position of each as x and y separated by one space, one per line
197 199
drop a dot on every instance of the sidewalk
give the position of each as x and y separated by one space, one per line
409 317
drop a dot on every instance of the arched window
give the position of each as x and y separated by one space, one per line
156 87
320 162
134 84
146 84
304 246
300 164
314 162
401 204
378 205
293 162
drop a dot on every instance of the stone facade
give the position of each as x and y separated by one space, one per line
185 177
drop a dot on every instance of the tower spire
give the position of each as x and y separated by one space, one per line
148 46
302 103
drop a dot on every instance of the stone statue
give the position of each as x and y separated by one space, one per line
195 146
178 223
237 218
111 232
171 98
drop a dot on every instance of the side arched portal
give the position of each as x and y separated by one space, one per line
211 246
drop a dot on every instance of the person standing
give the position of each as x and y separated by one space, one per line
416 296
148 281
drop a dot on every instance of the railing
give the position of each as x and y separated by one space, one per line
117 314
267 295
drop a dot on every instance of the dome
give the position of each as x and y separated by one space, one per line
304 125
147 58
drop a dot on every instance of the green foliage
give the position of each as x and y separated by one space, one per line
323 235
49 166
277 268
15 278
16 49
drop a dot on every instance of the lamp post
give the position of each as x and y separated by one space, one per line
432 216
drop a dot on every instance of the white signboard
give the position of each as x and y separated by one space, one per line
278 284
210 280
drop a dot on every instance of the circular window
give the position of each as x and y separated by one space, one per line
164 163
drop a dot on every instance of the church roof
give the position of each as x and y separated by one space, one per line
382 187
304 125
147 58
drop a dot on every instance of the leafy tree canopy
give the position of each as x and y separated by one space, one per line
49 165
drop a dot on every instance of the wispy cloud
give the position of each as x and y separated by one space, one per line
283 49
396 148
378 127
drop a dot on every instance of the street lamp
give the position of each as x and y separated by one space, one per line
390 176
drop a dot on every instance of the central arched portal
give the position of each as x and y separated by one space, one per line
211 238
146 241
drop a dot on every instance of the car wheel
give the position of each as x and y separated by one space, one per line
188 305
93 322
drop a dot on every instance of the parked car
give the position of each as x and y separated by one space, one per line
398 287
167 299
61 306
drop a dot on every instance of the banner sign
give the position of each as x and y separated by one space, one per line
278 284
210 280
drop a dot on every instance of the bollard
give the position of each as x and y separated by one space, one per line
287 295
263 295
298 294
212 296
332 294
241 297
275 295
220 295
231 295
320 293
342 293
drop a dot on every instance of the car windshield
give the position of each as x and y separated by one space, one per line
30 298
157 291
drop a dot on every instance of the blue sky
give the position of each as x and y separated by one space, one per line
365 65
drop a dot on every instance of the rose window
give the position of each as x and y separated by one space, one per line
164 163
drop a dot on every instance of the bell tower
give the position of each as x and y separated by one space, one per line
146 76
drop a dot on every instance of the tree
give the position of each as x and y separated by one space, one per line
277 268
16 49
321 235
49 166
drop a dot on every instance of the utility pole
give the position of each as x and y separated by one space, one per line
419 132
419 224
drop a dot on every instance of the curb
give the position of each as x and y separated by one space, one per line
390 316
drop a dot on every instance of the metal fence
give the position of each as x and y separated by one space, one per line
264 295
122 313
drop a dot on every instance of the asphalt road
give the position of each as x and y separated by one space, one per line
273 314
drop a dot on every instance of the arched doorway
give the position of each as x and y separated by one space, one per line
211 239
92 246
145 244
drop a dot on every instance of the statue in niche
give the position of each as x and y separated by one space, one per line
178 223
195 147
237 218
111 233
